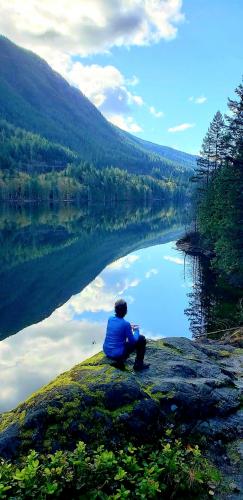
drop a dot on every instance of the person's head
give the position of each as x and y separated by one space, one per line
120 308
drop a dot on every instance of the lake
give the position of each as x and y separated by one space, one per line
62 268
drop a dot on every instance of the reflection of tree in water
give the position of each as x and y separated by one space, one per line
213 304
202 298
28 232
48 254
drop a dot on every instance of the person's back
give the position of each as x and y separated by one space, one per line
118 330
120 341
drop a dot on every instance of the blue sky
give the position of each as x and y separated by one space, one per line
157 68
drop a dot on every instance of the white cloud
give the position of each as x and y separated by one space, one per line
151 272
198 100
175 260
105 86
133 81
82 28
157 114
137 99
126 123
181 128
108 89
94 80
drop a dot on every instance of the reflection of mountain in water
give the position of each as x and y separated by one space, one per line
49 255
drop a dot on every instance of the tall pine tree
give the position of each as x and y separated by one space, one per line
220 189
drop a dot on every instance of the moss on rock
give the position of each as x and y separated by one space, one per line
187 383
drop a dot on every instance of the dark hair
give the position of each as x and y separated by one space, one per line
120 308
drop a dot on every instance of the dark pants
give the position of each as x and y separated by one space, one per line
139 348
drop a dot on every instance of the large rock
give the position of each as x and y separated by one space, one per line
196 386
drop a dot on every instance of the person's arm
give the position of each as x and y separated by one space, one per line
129 334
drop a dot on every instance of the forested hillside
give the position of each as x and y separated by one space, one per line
220 189
184 159
35 169
38 100
30 152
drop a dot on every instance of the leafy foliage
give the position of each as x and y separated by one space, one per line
171 469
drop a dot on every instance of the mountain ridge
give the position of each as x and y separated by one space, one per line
38 99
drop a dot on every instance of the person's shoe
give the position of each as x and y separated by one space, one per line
138 367
119 365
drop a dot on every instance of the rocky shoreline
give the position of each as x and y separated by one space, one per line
192 244
196 387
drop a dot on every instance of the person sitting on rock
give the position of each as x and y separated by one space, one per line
122 339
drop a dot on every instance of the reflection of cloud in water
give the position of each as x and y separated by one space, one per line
128 284
41 351
95 297
151 272
187 285
175 260
123 262
100 295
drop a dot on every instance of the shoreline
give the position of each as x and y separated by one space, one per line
192 244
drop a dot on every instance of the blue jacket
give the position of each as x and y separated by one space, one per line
118 331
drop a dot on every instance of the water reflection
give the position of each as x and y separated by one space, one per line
53 269
48 256
42 351
213 305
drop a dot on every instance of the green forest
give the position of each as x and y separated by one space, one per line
37 99
56 146
35 169
219 193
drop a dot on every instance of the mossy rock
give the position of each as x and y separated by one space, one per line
188 384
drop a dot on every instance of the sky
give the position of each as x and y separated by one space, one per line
159 69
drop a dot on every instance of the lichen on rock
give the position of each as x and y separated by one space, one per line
196 386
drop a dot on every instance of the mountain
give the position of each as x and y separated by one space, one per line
184 159
39 100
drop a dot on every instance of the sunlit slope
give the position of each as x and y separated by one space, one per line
37 99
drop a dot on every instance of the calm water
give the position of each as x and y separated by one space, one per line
62 270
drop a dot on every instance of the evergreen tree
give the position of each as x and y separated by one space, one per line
235 122
213 151
217 132
220 189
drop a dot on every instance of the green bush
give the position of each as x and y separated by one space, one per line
169 470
